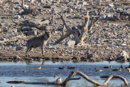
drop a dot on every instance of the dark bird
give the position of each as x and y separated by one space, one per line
108 67
127 67
55 76
71 67
117 69
122 66
62 67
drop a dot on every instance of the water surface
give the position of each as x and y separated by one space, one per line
13 71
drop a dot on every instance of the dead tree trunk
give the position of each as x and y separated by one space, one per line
22 3
92 81
69 31
84 31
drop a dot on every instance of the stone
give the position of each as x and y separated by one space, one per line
17 57
116 16
123 55
85 3
70 43
18 17
124 17
111 5
103 16
56 10
95 55
70 10
110 16
19 48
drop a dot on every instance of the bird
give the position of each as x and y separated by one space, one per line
127 67
122 66
117 69
108 67
71 67
38 67
62 67
55 76
58 81
128 70
24 71
98 70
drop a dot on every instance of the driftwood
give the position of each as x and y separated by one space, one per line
84 31
72 74
70 77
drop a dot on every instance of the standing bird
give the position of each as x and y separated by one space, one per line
55 76
122 66
58 81
128 70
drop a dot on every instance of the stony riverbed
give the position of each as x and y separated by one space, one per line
109 38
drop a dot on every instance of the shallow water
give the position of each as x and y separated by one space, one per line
13 71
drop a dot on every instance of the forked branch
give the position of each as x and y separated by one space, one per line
69 31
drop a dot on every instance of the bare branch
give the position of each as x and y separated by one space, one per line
64 22
84 30
63 37
93 22
66 35
69 31
117 76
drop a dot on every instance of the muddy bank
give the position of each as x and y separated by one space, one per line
90 53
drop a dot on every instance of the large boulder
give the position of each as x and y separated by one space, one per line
70 43
123 55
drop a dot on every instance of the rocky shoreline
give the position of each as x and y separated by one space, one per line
109 38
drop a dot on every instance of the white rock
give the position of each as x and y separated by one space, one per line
103 16
18 17
123 55
25 6
28 0
70 43
85 3
32 1
111 5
